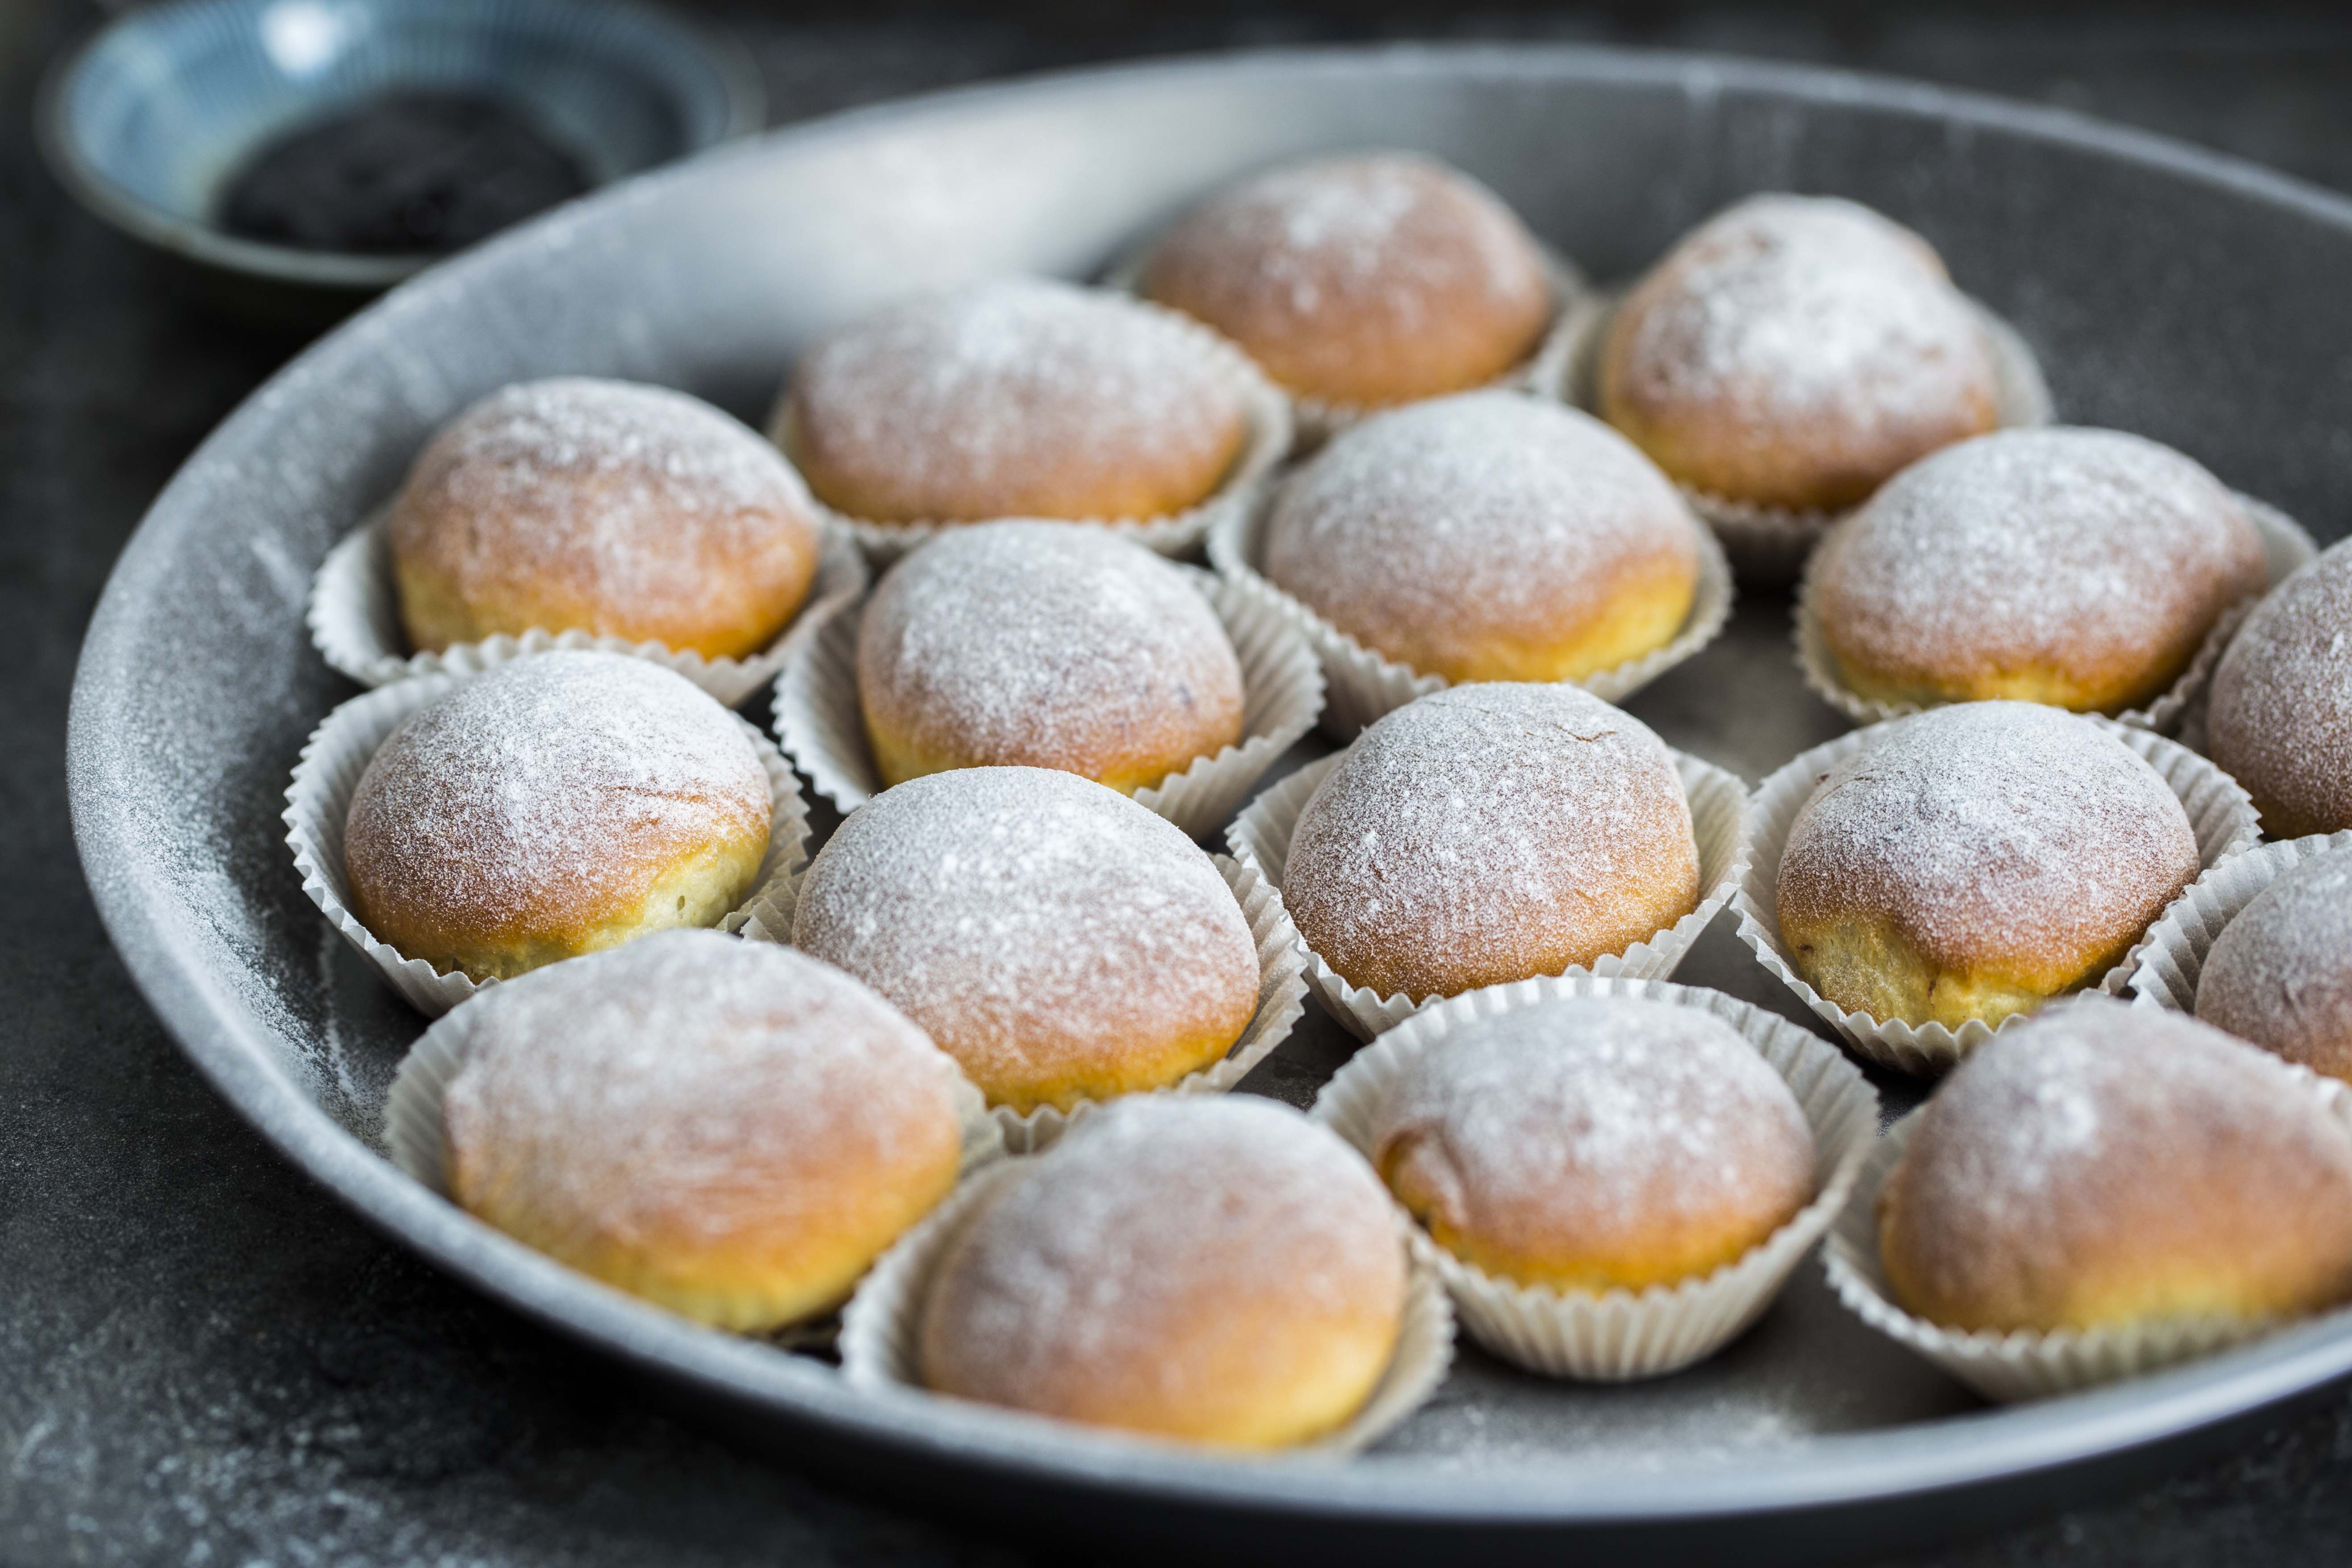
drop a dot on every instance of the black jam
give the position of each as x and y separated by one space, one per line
408 173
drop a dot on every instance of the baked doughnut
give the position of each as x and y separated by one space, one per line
1794 352
2280 974
560 803
2108 1166
2279 717
1595 1144
1977 861
605 506
1487 536
1047 646
729 1128
1058 940
1366 279
1488 833
2077 568
1216 1270
1020 398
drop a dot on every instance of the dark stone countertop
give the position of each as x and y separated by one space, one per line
203 1360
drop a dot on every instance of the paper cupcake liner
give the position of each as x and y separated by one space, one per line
2219 813
1281 998
354 620
824 729
1260 839
2022 1364
2286 547
1619 1334
881 1327
2173 957
1268 441
319 799
1364 685
1768 544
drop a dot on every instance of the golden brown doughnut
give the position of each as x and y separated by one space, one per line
2279 715
2280 974
729 1128
552 806
1217 1269
581 505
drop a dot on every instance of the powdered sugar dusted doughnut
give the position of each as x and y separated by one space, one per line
604 506
1794 352
1018 398
1488 536
2107 1166
1366 279
2280 974
1048 646
2079 568
1976 860
1057 939
1488 833
1596 1143
729 1128
1219 1270
550 805
2279 718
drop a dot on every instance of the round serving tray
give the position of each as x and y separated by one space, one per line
2166 291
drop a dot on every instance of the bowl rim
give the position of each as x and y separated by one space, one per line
744 97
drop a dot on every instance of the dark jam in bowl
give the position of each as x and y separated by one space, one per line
407 173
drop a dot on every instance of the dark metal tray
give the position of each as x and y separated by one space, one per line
2194 300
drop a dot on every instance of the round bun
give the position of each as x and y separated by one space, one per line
1216 1270
604 506
2280 974
2108 1166
729 1128
1044 646
2279 718
552 806
1488 833
1488 536
2077 568
1977 861
1794 352
1020 398
1058 940
1362 280
1596 1143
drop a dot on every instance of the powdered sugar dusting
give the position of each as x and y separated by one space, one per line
2281 972
2281 710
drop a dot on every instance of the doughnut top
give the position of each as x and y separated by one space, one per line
1434 532
2101 1163
1486 828
2082 564
2280 974
1365 279
617 509
549 792
2280 715
1990 835
1022 397
1052 646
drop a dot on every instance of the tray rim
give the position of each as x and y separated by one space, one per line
1877 1467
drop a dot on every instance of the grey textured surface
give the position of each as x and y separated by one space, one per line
203 1360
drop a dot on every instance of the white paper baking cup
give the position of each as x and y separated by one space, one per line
1620 1336
822 729
1281 996
2173 957
1769 544
354 618
2219 811
1364 685
2021 1363
319 799
881 1328
1260 838
2286 546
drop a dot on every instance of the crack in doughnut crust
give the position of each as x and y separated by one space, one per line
2280 717
2280 974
